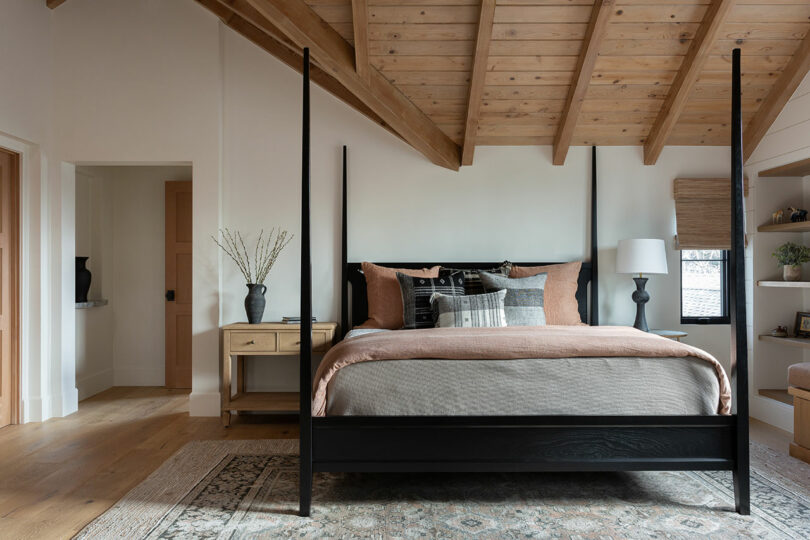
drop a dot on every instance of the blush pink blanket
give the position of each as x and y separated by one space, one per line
506 343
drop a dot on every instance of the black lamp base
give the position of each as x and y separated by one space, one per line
641 297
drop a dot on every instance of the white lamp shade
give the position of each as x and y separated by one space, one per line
641 256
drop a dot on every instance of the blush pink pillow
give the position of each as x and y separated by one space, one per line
384 295
560 293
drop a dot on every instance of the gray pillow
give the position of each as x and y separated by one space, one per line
524 297
473 311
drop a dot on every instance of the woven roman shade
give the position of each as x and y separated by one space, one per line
703 212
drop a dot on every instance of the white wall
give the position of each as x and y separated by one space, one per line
166 82
26 126
787 141
94 239
125 340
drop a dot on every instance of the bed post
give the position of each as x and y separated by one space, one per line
739 339
594 246
344 253
305 388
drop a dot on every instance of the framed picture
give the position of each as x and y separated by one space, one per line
802 324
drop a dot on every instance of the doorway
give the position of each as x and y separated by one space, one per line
128 333
9 287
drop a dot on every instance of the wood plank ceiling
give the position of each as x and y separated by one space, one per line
544 72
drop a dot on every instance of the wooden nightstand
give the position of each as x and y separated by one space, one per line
264 339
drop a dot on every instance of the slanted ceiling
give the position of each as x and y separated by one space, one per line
447 75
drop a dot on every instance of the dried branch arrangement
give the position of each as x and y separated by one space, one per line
265 253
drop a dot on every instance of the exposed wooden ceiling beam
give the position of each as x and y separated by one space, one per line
785 85
479 71
284 53
691 67
582 78
303 26
360 24
53 4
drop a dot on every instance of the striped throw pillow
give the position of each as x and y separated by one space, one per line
474 311
416 293
524 297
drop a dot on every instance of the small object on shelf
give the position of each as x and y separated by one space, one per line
790 257
802 328
265 254
797 214
779 331
255 302
778 217
83 278
670 334
295 320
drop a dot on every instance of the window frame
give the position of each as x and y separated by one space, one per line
724 293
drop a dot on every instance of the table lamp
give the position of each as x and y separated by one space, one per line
641 256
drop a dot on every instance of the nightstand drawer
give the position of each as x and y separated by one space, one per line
253 342
291 341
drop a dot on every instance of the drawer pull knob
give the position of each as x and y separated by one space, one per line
251 342
298 343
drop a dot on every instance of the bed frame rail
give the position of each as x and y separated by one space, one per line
523 443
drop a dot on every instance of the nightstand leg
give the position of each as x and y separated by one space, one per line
240 374
226 418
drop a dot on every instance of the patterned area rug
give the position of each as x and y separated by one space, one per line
248 489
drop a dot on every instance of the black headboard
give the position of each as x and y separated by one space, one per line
359 297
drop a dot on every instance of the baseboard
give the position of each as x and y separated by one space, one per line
31 410
772 412
204 404
90 385
138 376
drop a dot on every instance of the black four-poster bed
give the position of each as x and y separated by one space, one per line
524 443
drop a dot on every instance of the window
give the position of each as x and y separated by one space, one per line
704 286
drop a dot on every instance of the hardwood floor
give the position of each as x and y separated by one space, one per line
58 475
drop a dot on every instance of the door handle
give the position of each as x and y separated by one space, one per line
170 295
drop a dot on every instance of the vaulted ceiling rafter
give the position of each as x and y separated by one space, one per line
479 71
303 26
597 27
780 94
690 70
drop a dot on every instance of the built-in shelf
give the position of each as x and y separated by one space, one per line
802 343
795 169
777 394
799 226
785 284
91 303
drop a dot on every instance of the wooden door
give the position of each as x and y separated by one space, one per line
178 284
9 279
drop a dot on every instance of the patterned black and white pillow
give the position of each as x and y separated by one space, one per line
473 311
524 297
472 278
416 293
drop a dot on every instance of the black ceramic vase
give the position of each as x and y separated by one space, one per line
254 302
83 277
